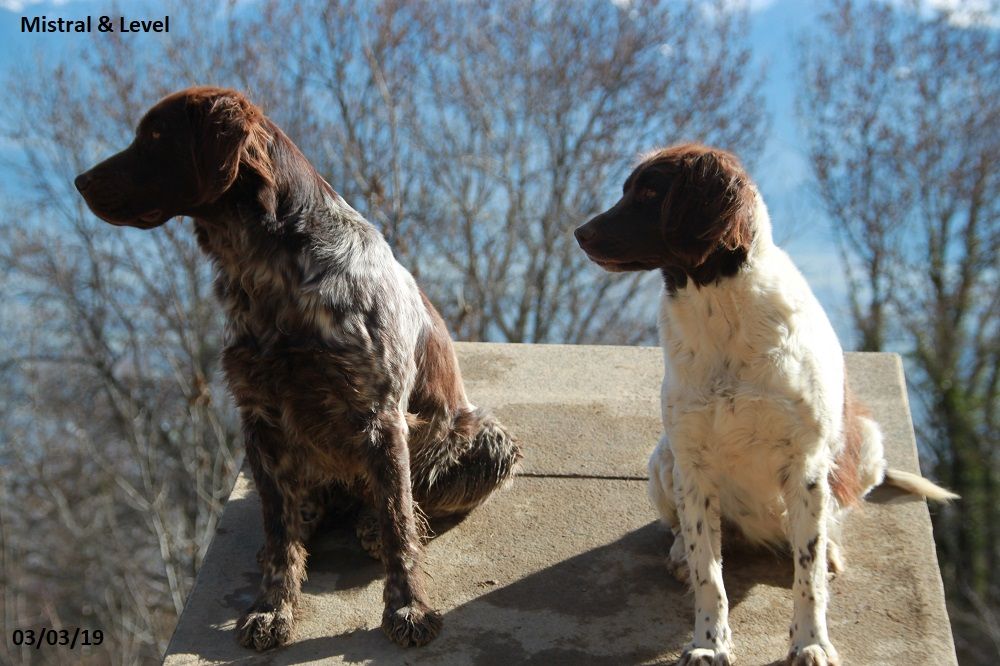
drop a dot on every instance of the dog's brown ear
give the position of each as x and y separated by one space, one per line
233 137
709 206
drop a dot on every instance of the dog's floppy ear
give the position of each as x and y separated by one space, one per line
231 137
709 206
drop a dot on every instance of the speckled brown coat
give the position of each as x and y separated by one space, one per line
345 377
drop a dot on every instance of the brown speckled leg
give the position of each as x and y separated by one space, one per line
269 621
408 619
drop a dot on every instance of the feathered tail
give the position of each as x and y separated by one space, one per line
918 485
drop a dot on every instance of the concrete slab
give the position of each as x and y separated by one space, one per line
578 410
564 570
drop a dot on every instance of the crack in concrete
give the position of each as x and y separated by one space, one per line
543 475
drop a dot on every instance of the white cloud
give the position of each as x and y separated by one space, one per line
18 5
752 5
961 13
968 13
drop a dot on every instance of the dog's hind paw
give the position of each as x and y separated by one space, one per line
813 655
834 560
411 626
679 570
370 534
263 629
705 657
677 560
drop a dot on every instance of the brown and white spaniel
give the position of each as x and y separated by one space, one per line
344 373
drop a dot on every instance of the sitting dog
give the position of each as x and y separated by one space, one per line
344 373
760 428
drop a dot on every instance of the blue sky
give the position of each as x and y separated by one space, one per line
782 172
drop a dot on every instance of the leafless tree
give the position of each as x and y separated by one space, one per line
903 110
531 114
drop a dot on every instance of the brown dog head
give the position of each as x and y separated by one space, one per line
188 151
686 209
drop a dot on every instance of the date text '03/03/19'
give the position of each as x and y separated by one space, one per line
51 637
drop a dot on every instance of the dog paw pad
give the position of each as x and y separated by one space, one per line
679 570
706 657
264 629
813 655
411 626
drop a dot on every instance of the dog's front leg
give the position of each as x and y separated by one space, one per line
698 509
269 621
807 496
407 619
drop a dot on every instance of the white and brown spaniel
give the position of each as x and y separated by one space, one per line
760 429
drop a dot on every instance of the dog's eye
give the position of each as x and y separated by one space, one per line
155 135
646 194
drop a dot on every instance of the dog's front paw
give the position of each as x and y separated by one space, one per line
813 655
411 626
706 657
265 628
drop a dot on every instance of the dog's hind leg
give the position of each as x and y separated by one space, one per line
859 459
461 461
368 527
871 463
661 494
321 506
451 475
834 552
455 465
459 454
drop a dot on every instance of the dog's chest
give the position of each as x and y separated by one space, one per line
257 281
292 340
731 400
312 348
714 352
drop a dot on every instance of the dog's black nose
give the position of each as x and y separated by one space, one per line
583 233
82 182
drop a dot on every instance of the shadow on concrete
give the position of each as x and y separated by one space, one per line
334 554
594 608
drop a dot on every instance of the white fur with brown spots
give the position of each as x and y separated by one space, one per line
760 430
